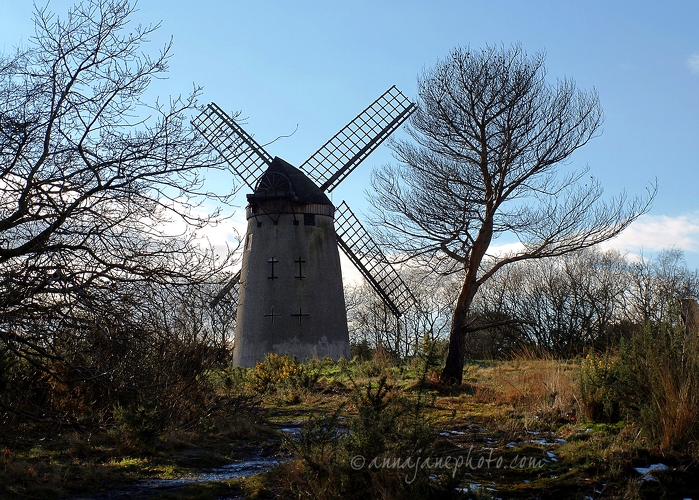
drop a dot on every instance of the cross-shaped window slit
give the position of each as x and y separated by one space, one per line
300 315
272 261
272 315
300 263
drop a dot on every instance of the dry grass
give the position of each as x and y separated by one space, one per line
540 386
681 411
500 403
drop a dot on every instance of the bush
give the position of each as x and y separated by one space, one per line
660 372
274 371
599 389
653 382
354 452
138 427
284 378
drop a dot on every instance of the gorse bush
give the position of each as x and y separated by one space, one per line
429 355
653 382
361 451
274 371
371 446
284 376
600 391
137 427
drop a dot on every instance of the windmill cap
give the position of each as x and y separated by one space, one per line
283 180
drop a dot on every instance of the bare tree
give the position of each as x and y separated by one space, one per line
569 303
489 137
373 325
428 320
656 286
100 193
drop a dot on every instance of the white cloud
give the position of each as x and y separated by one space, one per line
500 249
658 232
350 273
223 236
693 63
647 235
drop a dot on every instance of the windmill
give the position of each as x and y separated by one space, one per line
289 288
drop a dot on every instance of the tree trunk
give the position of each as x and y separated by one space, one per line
453 371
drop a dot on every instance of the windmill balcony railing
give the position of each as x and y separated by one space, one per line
290 208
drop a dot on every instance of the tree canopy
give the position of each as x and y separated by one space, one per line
100 202
489 142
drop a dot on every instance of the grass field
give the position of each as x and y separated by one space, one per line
514 429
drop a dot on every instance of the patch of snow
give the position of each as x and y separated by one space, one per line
646 471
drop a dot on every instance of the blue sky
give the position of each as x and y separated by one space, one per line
314 65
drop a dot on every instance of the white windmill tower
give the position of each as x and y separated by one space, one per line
290 296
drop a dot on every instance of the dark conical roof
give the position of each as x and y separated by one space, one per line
283 180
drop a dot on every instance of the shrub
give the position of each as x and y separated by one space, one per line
284 378
274 370
354 452
599 391
653 382
660 371
137 427
361 350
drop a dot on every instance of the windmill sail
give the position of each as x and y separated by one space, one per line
230 287
247 158
366 255
289 290
338 157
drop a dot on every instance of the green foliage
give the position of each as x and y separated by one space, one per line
369 368
348 453
599 388
430 355
311 372
653 382
231 379
138 426
318 446
660 372
361 350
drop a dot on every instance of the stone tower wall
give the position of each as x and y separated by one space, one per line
291 297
